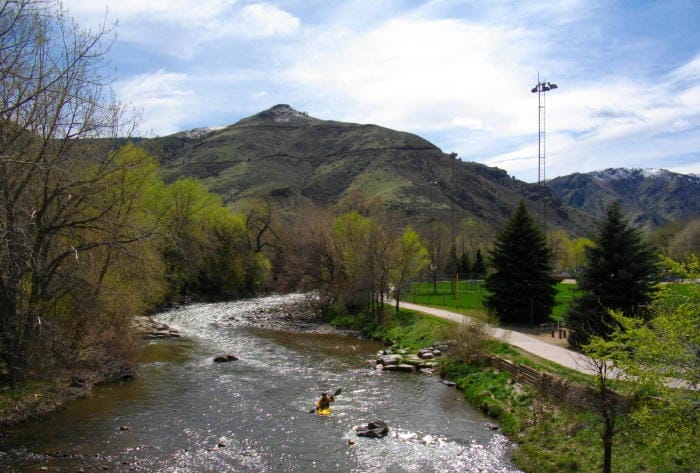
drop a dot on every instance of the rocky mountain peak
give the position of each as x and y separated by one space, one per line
282 113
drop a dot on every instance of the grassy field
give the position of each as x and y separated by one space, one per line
468 296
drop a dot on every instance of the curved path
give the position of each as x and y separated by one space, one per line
561 356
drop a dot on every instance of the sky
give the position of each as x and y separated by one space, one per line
458 73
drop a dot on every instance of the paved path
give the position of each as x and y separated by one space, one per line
561 356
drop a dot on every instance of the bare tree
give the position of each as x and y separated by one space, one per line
436 236
61 192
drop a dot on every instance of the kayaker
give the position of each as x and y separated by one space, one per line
324 402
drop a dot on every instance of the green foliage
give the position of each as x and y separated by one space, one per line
620 274
492 392
362 261
350 276
207 248
409 259
412 331
567 254
522 289
659 361
406 329
689 269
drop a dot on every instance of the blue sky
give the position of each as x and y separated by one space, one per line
458 73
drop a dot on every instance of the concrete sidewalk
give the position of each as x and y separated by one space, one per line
561 356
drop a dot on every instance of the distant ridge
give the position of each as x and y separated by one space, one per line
651 198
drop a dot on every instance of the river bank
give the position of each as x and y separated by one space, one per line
41 396
181 404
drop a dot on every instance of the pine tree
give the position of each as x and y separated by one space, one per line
619 274
464 264
522 288
479 267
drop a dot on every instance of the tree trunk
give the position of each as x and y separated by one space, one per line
608 433
607 453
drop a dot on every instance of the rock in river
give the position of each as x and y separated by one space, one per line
406 368
388 360
374 429
225 358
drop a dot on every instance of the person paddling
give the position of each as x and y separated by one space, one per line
324 403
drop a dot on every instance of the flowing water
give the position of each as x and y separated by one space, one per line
184 413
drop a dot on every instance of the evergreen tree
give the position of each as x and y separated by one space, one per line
522 288
479 267
465 266
452 262
619 274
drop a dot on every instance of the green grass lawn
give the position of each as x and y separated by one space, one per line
469 296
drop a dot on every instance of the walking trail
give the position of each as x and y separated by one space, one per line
561 356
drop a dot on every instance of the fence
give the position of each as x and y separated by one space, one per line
521 373
463 294
552 387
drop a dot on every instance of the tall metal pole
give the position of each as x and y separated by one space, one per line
542 88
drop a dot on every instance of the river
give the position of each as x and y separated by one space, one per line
184 413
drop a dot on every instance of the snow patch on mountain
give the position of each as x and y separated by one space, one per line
199 132
616 174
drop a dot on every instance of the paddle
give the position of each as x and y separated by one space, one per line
337 391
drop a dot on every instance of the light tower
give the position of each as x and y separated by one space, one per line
541 90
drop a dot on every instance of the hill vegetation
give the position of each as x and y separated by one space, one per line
297 161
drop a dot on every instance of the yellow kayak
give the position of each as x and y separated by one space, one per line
324 412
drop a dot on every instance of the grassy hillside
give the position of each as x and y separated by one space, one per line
295 160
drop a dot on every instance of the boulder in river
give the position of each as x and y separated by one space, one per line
225 358
374 429
388 360
426 354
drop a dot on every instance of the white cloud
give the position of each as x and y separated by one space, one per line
181 26
470 123
167 11
162 98
414 73
687 72
264 20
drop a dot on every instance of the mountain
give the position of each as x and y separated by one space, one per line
295 159
651 198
